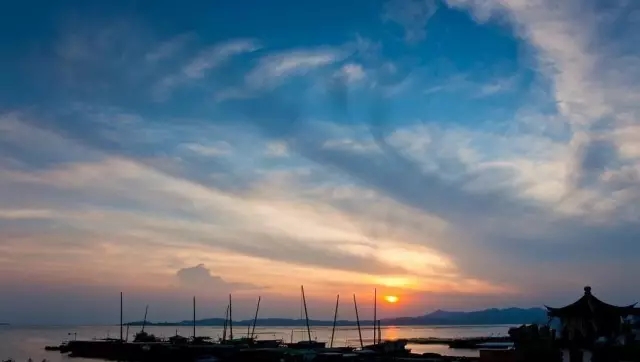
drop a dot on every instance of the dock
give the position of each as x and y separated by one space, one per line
115 350
466 343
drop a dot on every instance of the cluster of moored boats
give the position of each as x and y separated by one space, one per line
202 349
147 347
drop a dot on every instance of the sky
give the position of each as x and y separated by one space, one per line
459 154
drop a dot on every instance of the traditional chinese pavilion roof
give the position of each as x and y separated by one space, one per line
590 307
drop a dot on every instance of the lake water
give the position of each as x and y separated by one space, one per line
22 343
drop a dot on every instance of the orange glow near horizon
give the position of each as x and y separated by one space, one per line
391 299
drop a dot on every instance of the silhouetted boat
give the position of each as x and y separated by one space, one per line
178 339
144 337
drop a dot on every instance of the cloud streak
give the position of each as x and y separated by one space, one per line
208 59
292 233
412 15
273 69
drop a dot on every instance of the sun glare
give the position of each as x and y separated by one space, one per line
391 298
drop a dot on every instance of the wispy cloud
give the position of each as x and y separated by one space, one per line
593 101
18 214
264 222
218 149
273 69
205 61
277 149
412 15
498 86
347 144
169 48
351 73
463 83
217 55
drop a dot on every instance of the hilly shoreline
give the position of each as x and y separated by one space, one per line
439 317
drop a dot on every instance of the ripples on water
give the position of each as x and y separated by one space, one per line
22 343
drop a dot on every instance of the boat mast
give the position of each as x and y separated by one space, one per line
255 319
194 317
226 320
375 309
379 332
306 314
230 319
358 320
121 317
144 321
335 317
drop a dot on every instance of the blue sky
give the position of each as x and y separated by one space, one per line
460 154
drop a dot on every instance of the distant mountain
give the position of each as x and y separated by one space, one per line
439 317
487 316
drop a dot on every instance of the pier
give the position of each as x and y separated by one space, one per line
466 343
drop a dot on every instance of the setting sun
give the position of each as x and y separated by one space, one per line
391 298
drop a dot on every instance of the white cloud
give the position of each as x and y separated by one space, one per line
18 214
413 15
217 55
500 85
477 89
593 82
207 60
219 148
532 166
277 149
273 69
351 73
352 145
628 140
561 34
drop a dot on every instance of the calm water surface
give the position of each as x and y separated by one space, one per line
22 343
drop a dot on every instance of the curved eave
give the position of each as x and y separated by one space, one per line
623 311
631 308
